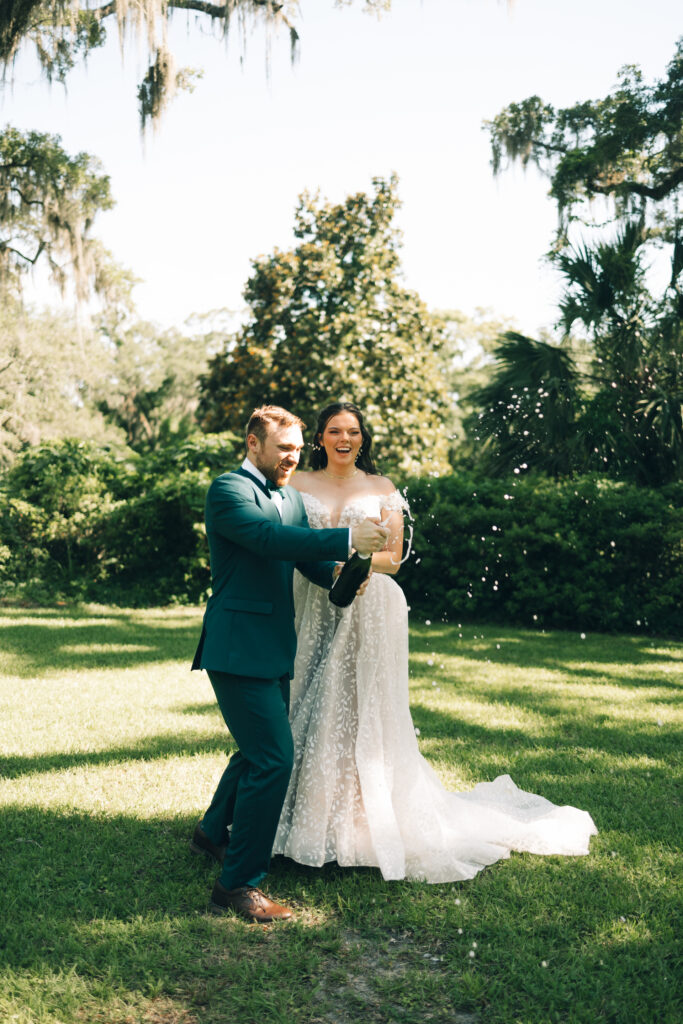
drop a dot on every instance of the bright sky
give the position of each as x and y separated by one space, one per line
218 183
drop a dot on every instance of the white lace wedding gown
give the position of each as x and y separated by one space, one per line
360 792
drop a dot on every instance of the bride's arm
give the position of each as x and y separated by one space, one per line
389 560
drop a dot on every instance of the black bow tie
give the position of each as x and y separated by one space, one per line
273 488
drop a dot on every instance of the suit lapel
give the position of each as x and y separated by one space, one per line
252 480
263 498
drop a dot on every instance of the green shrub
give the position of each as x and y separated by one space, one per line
155 547
100 524
106 524
585 553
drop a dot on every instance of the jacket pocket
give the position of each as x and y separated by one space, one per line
236 604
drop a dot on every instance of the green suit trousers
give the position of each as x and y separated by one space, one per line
252 789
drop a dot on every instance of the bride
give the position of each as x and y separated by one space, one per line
360 791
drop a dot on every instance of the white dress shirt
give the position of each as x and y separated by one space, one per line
275 496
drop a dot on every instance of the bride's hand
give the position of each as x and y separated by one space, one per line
364 585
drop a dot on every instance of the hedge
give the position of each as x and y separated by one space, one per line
82 522
586 553
78 521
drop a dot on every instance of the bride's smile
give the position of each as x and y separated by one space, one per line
341 440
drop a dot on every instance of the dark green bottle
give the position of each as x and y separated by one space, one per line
349 579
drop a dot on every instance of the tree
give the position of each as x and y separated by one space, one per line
468 361
528 408
632 426
64 32
119 381
625 151
616 407
150 391
47 368
627 148
48 202
330 319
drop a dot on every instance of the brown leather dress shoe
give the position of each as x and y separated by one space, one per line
249 902
200 843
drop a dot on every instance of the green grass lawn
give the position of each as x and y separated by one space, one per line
110 749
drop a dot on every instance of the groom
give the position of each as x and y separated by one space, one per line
258 533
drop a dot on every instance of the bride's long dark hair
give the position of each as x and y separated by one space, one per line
318 458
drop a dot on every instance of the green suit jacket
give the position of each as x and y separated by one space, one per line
249 621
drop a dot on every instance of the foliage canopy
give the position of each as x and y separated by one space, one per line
623 414
627 147
331 319
47 369
48 202
64 32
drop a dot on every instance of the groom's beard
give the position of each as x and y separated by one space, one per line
280 478
279 474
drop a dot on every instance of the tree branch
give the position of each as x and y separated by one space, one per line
103 12
5 247
15 165
655 192
548 147
200 6
25 201
213 10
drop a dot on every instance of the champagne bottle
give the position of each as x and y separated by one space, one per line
349 579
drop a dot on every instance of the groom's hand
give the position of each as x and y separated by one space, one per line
368 537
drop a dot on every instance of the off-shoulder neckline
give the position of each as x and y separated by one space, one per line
349 504
382 498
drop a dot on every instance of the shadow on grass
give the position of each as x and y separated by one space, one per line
108 896
77 639
204 708
120 904
561 730
71 639
560 651
162 746
569 763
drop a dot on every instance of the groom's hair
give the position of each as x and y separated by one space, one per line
268 415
